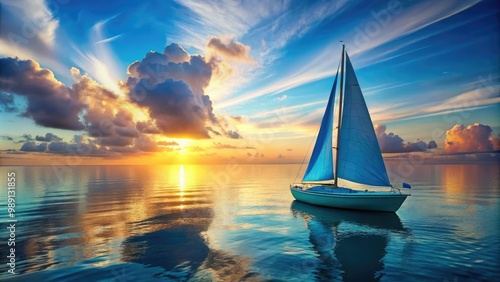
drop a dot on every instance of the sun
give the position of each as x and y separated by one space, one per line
183 144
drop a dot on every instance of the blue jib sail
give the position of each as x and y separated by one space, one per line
321 163
360 159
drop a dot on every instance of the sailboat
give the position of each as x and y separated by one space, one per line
358 179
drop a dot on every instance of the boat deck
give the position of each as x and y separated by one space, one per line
332 190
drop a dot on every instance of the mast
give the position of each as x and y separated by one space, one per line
341 95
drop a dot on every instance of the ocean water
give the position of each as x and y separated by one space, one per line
240 223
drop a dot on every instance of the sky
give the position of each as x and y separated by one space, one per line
219 81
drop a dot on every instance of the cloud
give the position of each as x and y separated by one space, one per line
7 103
167 143
241 16
147 127
50 102
410 19
97 58
163 94
171 87
33 147
176 53
392 143
87 105
25 138
146 144
106 40
229 49
28 24
210 129
239 119
227 146
224 146
234 134
318 64
49 137
473 138
13 152
282 98
5 137
28 30
280 156
432 145
496 143
81 146
174 107
106 116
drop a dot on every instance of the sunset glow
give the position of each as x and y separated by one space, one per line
182 82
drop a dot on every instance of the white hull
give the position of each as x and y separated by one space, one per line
372 201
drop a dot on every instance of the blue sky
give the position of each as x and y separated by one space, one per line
424 66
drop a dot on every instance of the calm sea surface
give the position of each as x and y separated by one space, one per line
240 223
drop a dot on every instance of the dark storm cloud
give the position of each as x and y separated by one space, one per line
50 103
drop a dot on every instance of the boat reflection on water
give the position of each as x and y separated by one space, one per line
349 244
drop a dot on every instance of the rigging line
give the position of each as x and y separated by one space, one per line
310 144
305 156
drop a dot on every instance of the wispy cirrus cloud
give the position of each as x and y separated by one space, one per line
319 64
28 30
27 24
270 26
407 19
469 100
223 17
97 59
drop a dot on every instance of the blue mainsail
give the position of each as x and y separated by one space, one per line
360 159
321 163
